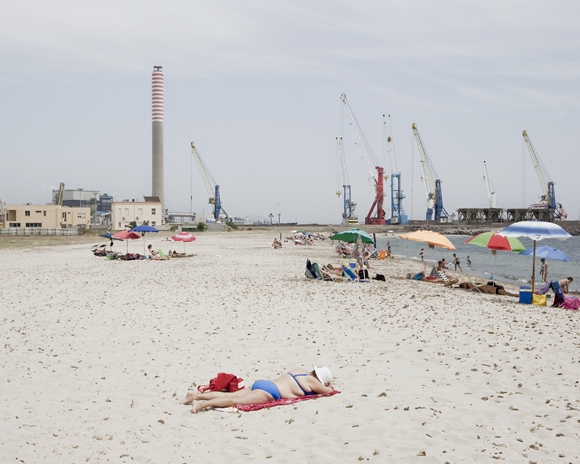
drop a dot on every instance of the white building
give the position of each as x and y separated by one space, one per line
125 212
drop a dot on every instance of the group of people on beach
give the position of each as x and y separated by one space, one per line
152 254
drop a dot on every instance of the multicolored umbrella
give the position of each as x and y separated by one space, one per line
536 230
494 242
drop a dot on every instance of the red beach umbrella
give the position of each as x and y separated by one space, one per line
127 235
183 237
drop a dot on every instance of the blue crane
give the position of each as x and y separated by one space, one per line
398 215
431 183
213 192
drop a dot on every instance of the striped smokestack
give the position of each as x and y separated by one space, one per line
157 185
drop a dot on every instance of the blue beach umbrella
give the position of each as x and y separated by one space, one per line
547 252
143 230
536 230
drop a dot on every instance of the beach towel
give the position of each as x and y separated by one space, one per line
280 402
563 301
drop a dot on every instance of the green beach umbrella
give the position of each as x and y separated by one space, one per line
351 236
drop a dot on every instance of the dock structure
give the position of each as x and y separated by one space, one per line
481 214
528 214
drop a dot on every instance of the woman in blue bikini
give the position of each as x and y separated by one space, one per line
298 382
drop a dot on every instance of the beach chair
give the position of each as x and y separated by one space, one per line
475 287
310 273
163 255
348 271
382 254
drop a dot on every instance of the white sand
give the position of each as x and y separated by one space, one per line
96 355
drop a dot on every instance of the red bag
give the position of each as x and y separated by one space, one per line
223 382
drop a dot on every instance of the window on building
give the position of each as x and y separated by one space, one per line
33 224
27 213
127 211
44 213
119 211
119 225
38 212
140 211
81 215
14 224
153 211
152 223
64 217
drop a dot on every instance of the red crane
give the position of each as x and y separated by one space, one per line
365 152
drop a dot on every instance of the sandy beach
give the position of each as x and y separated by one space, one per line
96 355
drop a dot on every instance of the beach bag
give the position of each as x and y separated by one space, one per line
539 300
363 274
380 277
223 382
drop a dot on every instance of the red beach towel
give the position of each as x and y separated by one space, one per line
280 402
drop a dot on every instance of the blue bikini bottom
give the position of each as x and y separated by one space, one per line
267 386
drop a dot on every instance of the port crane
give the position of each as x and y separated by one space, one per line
431 183
60 195
213 192
349 206
549 196
397 211
365 152
490 189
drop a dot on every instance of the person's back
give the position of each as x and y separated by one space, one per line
298 382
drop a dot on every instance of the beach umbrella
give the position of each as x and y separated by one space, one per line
536 230
494 242
351 236
547 252
432 238
183 237
127 235
143 230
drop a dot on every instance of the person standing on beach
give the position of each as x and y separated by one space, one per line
456 262
468 262
544 270
422 254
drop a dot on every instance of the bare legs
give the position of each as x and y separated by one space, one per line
225 399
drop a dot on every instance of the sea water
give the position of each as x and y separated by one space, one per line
504 266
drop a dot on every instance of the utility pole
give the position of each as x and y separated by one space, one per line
271 216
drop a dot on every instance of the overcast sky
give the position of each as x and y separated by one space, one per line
257 84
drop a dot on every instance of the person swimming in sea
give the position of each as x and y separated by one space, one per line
296 383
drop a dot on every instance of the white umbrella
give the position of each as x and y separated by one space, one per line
536 230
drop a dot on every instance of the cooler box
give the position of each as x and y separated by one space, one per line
526 295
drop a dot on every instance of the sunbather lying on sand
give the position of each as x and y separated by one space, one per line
491 289
296 383
332 274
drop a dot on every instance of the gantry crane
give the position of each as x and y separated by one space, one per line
489 185
365 152
431 183
397 211
549 195
213 192
349 206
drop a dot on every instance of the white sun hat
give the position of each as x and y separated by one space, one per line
323 374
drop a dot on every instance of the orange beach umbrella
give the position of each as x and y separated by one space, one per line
432 238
